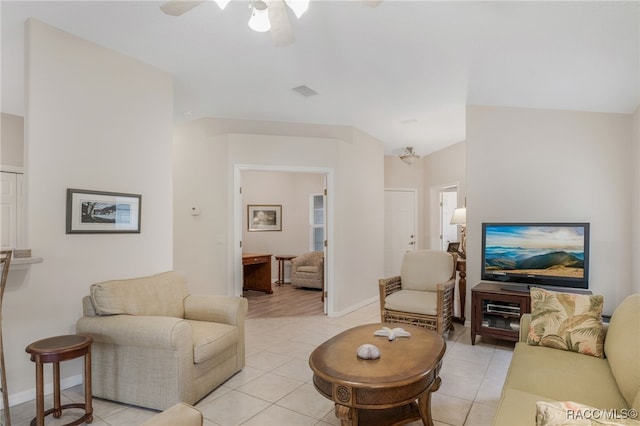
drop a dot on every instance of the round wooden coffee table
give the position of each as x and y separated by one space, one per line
385 390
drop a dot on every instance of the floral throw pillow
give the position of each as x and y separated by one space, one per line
568 321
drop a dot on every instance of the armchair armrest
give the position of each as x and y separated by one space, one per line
223 309
141 331
388 286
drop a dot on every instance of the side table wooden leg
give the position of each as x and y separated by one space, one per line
57 412
39 394
424 402
88 398
348 415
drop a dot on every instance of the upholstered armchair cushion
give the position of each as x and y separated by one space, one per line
419 302
180 414
157 295
420 272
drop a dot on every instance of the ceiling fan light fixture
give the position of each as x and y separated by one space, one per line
259 20
222 3
408 156
299 7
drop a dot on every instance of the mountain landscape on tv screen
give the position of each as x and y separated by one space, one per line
534 262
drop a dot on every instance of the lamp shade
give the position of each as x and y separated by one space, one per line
459 216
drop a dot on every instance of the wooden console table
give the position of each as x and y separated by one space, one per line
256 271
461 267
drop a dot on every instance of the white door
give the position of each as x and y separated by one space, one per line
8 210
399 228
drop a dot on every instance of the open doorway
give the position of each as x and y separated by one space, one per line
443 201
293 193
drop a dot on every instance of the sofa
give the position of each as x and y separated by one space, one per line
155 344
542 381
307 270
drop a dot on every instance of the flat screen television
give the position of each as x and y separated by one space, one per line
541 254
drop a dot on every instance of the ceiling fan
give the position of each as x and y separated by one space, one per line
266 15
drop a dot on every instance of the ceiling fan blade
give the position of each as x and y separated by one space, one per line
178 7
372 3
281 29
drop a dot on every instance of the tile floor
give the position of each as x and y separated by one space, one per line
275 387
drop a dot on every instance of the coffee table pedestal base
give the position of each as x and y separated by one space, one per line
394 416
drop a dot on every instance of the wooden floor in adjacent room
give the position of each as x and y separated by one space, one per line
285 301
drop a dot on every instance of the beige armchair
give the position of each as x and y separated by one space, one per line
307 270
155 344
423 293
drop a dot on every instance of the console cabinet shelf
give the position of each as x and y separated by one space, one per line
496 311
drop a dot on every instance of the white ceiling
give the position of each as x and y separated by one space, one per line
402 72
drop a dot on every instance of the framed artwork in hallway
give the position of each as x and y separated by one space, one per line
264 217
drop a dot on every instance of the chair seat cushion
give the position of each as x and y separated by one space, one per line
416 302
211 339
307 269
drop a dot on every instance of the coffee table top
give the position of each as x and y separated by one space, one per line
403 359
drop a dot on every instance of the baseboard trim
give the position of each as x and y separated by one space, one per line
354 307
30 394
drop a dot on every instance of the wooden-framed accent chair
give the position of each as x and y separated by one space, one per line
422 294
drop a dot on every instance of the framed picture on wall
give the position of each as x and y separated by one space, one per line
99 212
264 217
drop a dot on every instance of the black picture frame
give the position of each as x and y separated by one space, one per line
453 247
102 212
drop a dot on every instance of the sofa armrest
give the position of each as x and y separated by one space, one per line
223 309
140 331
525 322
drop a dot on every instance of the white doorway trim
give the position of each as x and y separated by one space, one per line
434 212
237 224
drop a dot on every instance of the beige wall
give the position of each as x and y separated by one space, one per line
96 120
291 191
442 168
206 163
11 140
558 166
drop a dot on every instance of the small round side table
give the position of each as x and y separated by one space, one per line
281 259
55 350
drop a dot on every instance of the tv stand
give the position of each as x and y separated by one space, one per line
516 288
496 310
525 288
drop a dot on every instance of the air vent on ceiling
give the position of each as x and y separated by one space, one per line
305 91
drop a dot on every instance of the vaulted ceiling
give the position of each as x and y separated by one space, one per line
402 71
